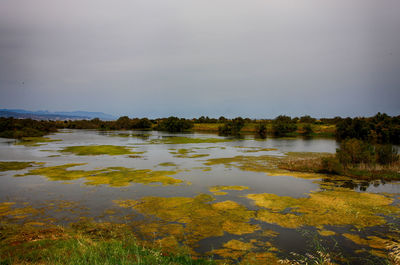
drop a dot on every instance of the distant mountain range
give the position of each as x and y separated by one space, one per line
58 115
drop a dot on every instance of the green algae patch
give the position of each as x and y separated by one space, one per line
35 141
338 207
120 176
187 140
218 190
85 150
234 250
269 233
199 216
371 241
261 258
8 209
168 164
112 176
15 165
99 150
266 163
186 153
324 232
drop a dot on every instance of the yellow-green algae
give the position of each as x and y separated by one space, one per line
168 164
265 163
14 165
35 141
324 232
187 140
338 207
112 176
8 209
186 153
371 241
98 150
269 233
201 218
237 249
233 249
218 190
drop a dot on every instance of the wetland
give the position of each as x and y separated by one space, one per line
203 194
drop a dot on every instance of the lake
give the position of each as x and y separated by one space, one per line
219 196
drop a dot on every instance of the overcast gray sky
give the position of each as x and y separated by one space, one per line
156 58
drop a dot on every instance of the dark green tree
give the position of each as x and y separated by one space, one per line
283 125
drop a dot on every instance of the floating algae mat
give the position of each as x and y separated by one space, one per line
186 153
15 165
112 176
35 141
338 207
219 190
98 150
213 196
198 217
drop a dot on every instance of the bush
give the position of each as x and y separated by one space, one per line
378 129
307 129
307 119
354 151
262 130
282 125
231 127
174 124
331 165
386 154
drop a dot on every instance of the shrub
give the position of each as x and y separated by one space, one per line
262 130
354 151
231 127
386 154
307 129
282 125
174 124
331 165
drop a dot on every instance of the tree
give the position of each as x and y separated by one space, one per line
174 124
307 119
123 123
262 130
354 151
283 125
232 127
307 130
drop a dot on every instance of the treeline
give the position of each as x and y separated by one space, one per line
19 128
123 123
380 128
280 126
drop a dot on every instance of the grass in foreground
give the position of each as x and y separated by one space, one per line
97 245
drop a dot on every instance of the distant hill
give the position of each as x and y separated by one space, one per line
58 115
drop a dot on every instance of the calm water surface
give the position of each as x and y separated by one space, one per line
98 201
